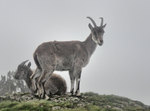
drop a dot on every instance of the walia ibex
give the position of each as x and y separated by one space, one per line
53 85
69 56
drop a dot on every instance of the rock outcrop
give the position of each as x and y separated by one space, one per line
9 85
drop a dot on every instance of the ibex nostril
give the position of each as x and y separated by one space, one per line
101 41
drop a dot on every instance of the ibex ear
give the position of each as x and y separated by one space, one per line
104 26
90 26
29 64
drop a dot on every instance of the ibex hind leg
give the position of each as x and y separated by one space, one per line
46 70
41 81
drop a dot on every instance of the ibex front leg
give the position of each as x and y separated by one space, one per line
72 80
75 74
78 76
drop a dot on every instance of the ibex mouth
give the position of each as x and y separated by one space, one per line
100 44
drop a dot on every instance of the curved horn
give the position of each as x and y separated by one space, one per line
24 62
101 21
92 21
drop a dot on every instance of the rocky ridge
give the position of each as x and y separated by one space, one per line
86 102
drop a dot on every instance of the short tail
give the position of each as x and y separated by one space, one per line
36 61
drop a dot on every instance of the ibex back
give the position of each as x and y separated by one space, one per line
69 56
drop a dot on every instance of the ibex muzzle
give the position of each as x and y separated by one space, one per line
97 31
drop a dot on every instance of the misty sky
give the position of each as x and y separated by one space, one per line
121 66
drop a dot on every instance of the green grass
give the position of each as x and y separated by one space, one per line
114 101
25 106
43 105
91 101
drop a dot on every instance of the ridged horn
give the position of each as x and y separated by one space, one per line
101 21
92 21
23 63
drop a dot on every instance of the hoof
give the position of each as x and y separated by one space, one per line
43 96
46 97
69 94
77 94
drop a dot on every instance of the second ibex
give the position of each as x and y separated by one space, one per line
69 56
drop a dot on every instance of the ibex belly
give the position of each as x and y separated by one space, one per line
63 64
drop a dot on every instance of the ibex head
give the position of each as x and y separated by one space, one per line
22 70
97 31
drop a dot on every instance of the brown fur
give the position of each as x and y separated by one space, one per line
55 85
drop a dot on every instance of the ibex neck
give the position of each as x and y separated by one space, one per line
28 80
90 45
